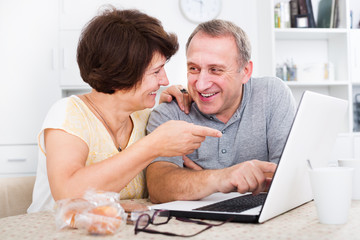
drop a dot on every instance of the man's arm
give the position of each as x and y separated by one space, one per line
168 182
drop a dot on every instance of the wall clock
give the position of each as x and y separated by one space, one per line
198 11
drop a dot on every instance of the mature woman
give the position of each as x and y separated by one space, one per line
97 140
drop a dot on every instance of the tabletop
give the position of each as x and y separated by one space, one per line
299 223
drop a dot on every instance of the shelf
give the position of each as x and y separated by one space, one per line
318 83
308 33
74 90
315 47
75 87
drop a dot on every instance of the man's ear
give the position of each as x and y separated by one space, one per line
248 68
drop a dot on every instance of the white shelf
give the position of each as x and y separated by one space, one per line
308 33
74 90
310 49
75 87
318 83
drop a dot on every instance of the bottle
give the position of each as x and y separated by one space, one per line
285 72
293 71
279 72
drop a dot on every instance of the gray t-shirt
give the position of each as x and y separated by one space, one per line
257 130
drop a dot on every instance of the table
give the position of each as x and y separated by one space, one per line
299 223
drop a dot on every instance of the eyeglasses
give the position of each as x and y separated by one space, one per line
161 217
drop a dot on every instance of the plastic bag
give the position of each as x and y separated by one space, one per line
96 212
134 210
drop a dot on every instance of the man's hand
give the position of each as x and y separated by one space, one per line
183 99
190 164
245 177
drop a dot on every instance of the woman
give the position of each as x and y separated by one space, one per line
97 140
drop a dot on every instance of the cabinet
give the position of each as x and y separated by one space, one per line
18 160
28 78
347 146
356 146
312 48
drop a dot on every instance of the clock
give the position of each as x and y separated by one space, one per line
198 11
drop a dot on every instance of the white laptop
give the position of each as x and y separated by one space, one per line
312 136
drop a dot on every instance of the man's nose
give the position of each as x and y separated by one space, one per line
203 82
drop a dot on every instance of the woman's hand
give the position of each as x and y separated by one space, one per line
178 138
183 99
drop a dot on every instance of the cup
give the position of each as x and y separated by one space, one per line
355 164
332 188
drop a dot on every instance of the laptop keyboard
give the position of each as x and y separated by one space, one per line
237 204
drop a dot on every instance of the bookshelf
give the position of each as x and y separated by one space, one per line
315 51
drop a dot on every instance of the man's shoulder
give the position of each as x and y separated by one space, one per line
168 108
166 111
269 86
267 81
163 113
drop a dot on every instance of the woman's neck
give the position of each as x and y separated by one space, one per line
112 111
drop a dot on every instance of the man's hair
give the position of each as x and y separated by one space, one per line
116 47
219 28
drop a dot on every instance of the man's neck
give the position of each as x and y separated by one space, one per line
226 116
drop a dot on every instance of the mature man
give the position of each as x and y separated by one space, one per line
254 115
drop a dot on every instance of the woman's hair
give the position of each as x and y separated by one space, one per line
116 47
219 28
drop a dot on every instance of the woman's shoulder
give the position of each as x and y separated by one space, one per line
140 118
142 115
63 103
64 108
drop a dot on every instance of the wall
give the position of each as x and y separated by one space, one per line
240 12
28 79
169 13
29 52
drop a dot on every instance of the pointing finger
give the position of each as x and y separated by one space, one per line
206 131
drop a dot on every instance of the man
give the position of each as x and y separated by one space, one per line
254 115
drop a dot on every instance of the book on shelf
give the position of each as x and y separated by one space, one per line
294 13
335 14
305 9
310 13
282 15
302 7
328 14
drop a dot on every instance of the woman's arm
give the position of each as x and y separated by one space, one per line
66 158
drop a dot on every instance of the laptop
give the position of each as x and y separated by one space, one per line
312 136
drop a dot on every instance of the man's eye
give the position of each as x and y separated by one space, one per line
193 69
216 70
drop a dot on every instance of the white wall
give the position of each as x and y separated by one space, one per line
29 52
240 12
170 15
28 79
